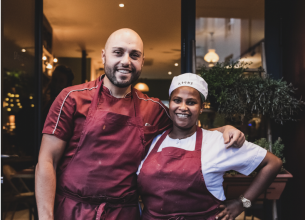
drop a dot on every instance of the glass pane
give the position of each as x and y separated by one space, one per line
230 31
17 96
157 22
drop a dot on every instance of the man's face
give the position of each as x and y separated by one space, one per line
123 59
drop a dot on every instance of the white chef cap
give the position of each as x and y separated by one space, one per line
191 80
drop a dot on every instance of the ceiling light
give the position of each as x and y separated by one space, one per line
44 58
176 64
142 87
121 5
55 60
169 73
31 97
8 109
32 105
17 95
23 50
49 66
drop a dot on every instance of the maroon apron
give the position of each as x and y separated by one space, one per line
100 180
172 186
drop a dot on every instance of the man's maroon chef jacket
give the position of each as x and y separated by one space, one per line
69 110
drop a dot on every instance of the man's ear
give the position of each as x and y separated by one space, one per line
103 56
143 60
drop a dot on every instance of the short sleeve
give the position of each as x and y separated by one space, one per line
245 159
59 121
164 121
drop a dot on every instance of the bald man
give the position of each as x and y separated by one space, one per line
96 135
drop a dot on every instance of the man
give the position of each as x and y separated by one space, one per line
96 135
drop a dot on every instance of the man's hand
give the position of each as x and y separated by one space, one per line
233 137
231 209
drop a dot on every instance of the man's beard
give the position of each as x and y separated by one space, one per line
110 73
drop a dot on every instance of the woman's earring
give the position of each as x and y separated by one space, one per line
200 111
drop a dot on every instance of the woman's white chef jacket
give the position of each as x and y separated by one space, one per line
216 159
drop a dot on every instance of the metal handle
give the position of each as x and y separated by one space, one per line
193 56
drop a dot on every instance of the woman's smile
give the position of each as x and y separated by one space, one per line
182 116
184 108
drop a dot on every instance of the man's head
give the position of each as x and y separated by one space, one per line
123 57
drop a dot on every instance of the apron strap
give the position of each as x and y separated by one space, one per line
198 139
163 136
100 211
97 96
159 142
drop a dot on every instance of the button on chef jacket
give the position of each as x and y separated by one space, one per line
76 116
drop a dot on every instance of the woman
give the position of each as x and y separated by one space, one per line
181 176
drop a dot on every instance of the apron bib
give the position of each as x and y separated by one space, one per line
100 180
172 186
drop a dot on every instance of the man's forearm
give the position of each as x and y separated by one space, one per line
45 186
220 129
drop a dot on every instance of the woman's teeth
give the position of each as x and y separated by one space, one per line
123 71
182 116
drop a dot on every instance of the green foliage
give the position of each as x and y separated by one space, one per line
277 147
233 93
277 150
19 80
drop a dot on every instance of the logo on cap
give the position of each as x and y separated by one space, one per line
185 83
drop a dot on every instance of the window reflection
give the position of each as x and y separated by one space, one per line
229 31
18 108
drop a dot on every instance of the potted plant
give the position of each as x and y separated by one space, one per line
237 95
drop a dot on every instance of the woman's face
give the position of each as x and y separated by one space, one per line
184 107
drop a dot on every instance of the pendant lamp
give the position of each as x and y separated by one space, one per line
142 87
211 56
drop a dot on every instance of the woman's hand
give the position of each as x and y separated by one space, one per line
231 209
